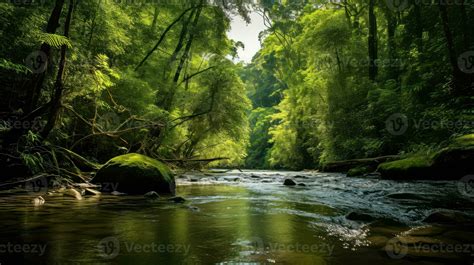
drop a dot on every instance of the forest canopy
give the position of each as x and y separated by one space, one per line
333 81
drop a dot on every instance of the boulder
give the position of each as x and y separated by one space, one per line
360 171
136 174
289 182
354 216
451 163
447 217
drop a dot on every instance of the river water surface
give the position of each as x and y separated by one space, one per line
240 218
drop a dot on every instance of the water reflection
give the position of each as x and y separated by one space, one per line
247 222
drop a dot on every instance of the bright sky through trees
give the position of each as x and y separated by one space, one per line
247 34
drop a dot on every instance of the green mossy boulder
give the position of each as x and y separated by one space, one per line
451 163
360 171
135 174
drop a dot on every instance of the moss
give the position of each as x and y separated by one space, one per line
463 141
142 162
135 174
452 162
406 168
359 171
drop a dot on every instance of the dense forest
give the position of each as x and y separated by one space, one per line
153 132
88 80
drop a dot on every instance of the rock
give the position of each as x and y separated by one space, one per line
92 192
194 208
378 241
447 217
354 216
359 171
194 179
289 182
72 193
136 174
302 184
255 177
450 163
152 195
426 230
410 168
177 199
38 201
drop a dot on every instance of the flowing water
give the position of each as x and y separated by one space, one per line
239 218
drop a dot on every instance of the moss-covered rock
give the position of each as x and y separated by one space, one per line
409 168
451 163
135 174
359 171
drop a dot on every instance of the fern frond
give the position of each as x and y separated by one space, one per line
8 65
54 40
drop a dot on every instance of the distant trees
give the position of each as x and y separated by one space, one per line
354 65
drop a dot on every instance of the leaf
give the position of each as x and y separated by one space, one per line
54 40
18 68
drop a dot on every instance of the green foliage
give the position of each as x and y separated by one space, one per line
54 40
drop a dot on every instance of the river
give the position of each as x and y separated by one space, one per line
238 217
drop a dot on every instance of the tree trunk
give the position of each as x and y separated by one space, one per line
464 26
373 69
457 74
36 84
58 85
394 71
419 28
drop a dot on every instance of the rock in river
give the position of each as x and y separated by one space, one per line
177 199
447 217
289 182
152 195
354 216
136 174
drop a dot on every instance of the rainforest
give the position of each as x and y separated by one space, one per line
135 131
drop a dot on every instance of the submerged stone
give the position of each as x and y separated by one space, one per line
447 217
177 199
354 216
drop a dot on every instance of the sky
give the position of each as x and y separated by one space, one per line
247 34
